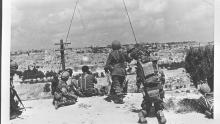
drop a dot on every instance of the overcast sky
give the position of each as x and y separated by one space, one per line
40 23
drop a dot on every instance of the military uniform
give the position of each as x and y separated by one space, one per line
153 93
116 64
86 85
63 95
137 53
54 84
14 108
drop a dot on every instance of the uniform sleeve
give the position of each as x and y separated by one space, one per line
79 83
127 58
108 62
94 79
74 82
162 77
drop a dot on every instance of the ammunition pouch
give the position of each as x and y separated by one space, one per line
154 92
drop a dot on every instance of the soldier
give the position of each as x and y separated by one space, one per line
116 65
153 93
71 82
86 84
205 102
54 83
137 53
63 95
14 108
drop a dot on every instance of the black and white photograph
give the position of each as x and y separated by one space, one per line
109 62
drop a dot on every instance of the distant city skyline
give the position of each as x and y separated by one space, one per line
40 24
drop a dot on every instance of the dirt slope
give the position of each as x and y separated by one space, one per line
95 110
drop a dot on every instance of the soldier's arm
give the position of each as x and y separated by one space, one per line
127 57
108 63
162 77
95 80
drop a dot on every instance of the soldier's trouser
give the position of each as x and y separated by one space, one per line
117 85
65 98
13 104
146 109
146 105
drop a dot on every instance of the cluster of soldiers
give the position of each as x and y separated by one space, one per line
152 81
66 90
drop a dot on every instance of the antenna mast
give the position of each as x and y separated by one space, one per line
130 21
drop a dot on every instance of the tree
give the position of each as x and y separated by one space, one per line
199 63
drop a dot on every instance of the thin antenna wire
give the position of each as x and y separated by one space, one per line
81 19
130 22
71 20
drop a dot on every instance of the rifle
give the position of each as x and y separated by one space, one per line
16 94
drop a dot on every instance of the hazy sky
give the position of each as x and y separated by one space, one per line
41 23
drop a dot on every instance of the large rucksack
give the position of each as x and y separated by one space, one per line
151 81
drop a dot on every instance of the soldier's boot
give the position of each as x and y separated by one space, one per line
109 98
142 114
160 117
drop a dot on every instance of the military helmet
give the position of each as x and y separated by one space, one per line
116 45
204 88
65 75
13 66
70 71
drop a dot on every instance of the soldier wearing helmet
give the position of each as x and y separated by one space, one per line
13 68
116 66
153 90
15 110
63 95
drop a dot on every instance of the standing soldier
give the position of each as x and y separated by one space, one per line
137 53
153 91
63 95
116 65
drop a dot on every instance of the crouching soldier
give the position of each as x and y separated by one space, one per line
153 91
206 101
116 65
63 95
86 84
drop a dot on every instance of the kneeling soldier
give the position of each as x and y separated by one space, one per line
153 92
63 95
